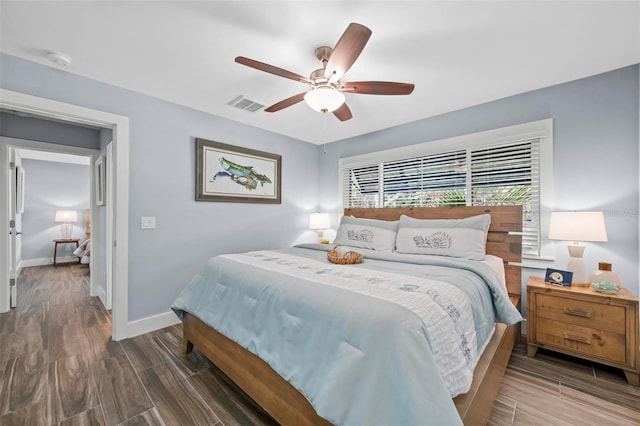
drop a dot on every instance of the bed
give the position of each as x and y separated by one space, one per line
355 386
83 252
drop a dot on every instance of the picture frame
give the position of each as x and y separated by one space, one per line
99 179
558 277
20 186
229 173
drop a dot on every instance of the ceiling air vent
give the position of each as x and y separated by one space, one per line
246 104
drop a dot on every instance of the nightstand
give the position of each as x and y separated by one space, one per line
581 322
63 241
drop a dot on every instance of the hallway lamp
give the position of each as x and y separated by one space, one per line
319 222
576 227
66 217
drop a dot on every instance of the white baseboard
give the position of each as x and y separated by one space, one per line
102 295
25 263
146 325
40 261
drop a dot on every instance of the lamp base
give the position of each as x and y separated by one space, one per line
576 265
66 230
320 233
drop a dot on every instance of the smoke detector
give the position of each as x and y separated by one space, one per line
59 58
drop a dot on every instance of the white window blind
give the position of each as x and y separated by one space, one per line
499 174
425 181
510 175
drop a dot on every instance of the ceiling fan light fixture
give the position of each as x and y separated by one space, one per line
324 99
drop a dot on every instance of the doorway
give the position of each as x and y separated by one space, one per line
119 125
59 189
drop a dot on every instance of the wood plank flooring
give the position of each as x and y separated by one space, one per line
59 366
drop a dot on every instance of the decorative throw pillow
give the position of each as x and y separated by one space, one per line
367 233
463 238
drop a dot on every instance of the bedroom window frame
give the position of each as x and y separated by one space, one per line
468 144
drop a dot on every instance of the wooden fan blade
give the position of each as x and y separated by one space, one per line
286 103
347 50
343 113
272 69
377 87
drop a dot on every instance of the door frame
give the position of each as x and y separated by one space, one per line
109 223
9 162
8 143
119 125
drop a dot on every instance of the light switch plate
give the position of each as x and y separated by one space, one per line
148 222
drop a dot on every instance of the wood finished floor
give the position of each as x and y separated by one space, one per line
59 366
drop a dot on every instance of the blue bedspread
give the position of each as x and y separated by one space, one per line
357 357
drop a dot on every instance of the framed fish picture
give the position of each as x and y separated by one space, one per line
229 173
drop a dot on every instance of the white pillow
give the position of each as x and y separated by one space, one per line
371 234
463 238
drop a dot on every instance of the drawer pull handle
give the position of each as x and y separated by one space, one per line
577 313
577 339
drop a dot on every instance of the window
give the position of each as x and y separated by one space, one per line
490 168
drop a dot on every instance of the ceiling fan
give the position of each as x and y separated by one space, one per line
326 94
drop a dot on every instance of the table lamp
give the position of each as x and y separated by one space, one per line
576 227
66 217
319 222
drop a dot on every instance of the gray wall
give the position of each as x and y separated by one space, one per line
162 183
52 186
595 155
36 129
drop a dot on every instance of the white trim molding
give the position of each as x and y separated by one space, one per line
156 322
102 295
40 261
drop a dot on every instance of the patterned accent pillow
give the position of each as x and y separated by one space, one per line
371 234
463 238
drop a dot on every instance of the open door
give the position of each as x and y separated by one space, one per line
109 225
15 188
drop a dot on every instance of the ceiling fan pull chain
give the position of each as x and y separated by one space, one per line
324 124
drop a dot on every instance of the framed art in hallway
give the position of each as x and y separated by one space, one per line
20 185
229 173
99 180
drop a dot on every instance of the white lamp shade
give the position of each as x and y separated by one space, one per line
324 99
66 216
319 221
577 226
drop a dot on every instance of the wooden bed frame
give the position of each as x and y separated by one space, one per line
286 405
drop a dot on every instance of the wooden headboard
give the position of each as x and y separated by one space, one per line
87 224
504 219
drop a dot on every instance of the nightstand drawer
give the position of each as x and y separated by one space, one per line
584 340
581 312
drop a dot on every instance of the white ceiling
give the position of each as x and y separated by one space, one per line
458 54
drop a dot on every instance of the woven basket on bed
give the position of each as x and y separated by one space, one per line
349 258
